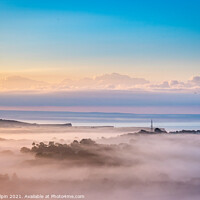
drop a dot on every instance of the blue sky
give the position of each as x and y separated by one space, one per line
167 12
151 39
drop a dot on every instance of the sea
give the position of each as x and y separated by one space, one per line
170 122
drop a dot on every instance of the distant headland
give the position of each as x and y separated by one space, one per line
14 123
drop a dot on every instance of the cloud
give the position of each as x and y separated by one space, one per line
112 81
106 81
165 84
175 85
118 79
195 81
21 83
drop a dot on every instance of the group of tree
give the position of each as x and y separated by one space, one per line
86 151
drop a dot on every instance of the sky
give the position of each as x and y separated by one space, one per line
55 46
103 101
154 39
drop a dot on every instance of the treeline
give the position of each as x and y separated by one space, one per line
86 151
187 131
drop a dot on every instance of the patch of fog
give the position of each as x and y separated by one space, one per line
67 134
155 167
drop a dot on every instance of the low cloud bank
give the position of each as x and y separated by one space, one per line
112 81
145 167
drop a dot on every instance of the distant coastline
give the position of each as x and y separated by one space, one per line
171 122
6 123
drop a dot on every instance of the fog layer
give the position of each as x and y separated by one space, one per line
120 166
